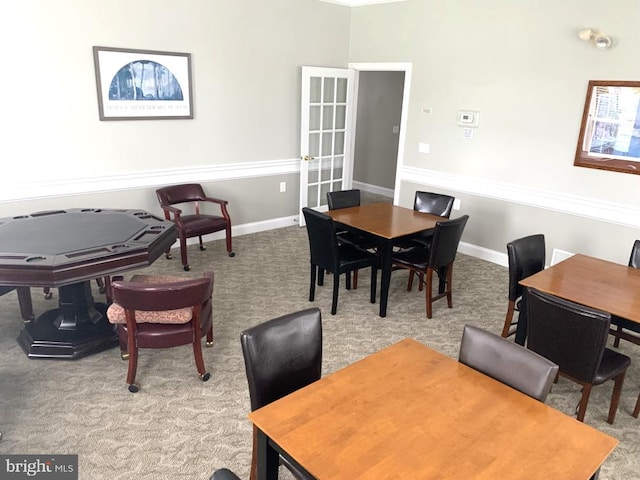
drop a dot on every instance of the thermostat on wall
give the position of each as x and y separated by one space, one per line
468 118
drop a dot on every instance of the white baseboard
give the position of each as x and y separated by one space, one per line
245 229
484 254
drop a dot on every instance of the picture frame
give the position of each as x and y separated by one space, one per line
143 84
609 137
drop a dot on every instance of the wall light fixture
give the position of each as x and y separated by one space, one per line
599 40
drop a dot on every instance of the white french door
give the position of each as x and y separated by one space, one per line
326 162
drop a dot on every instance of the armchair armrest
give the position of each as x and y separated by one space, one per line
215 200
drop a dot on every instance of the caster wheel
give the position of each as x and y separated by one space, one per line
102 289
168 256
232 254
124 355
205 377
48 296
209 344
187 268
133 388
202 247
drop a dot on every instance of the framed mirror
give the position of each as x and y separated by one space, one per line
610 131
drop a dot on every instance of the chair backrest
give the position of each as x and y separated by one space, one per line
569 334
634 259
507 362
188 192
434 203
526 257
161 296
446 238
282 355
343 199
323 243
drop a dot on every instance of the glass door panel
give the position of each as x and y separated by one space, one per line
327 95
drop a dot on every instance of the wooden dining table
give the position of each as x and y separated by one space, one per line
410 412
593 282
388 223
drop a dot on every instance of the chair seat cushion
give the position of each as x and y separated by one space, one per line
415 257
115 313
195 225
352 257
613 364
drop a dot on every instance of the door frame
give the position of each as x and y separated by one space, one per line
385 67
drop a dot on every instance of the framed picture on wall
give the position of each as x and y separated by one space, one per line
143 84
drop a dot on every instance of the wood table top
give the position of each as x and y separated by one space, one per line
593 282
385 220
410 412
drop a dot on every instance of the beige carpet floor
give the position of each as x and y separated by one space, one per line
178 427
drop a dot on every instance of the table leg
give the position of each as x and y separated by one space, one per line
78 327
268 459
387 251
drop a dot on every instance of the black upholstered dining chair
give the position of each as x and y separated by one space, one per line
438 259
507 362
434 203
574 337
428 202
623 323
344 199
224 474
281 356
153 311
197 223
328 254
527 256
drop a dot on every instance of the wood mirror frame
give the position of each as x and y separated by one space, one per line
610 131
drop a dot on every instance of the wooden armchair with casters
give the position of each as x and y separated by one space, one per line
507 362
281 356
195 224
574 337
160 312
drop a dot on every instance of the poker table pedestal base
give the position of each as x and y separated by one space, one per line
78 327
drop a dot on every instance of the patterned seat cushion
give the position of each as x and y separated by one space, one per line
115 313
